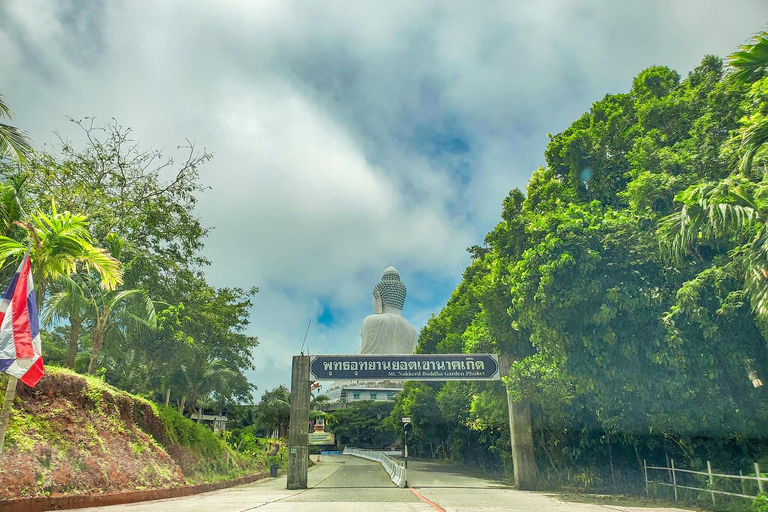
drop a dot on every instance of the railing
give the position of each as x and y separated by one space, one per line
672 473
394 467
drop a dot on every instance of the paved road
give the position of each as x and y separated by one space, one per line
350 484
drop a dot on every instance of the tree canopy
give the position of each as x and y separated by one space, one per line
116 247
628 280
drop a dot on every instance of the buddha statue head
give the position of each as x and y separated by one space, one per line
389 293
386 331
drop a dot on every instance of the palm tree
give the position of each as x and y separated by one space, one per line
275 410
734 210
83 301
126 368
114 308
317 401
58 244
750 64
206 377
71 303
314 406
14 143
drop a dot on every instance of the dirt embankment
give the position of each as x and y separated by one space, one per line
72 435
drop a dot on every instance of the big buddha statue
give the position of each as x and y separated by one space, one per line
386 331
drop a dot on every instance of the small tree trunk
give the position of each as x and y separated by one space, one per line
610 461
39 282
181 405
167 396
94 352
10 394
150 374
200 414
73 338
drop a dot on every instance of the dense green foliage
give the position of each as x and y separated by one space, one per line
116 251
630 294
362 425
269 417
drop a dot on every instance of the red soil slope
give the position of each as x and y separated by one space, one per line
67 436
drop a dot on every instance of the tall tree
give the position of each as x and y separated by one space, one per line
84 301
69 303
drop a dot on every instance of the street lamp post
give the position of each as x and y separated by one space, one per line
406 428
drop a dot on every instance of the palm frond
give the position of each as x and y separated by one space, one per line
69 301
753 139
114 299
711 211
750 62
66 241
10 248
754 262
52 313
14 142
10 197
142 315
5 110
106 266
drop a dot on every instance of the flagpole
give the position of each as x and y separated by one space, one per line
10 390
10 394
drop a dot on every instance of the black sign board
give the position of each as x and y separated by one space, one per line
405 367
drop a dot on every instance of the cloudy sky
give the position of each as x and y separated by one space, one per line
348 136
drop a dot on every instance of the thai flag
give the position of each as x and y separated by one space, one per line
20 353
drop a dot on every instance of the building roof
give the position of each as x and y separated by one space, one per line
372 389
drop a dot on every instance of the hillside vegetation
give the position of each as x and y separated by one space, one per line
628 280
74 434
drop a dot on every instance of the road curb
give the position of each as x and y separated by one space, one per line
43 504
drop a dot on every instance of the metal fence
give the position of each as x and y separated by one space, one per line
395 468
674 476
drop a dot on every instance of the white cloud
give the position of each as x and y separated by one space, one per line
347 135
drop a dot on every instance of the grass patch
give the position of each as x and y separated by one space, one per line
25 431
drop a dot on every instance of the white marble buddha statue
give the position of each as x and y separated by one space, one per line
386 331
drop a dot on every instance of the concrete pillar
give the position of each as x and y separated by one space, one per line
521 432
298 434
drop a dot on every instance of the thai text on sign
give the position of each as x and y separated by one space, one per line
405 367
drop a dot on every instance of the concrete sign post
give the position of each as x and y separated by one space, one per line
298 433
521 433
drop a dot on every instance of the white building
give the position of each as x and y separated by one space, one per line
219 423
348 392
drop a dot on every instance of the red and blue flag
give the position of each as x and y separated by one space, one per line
20 352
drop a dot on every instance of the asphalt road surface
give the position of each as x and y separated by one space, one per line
349 484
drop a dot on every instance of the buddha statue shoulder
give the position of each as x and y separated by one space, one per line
386 331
